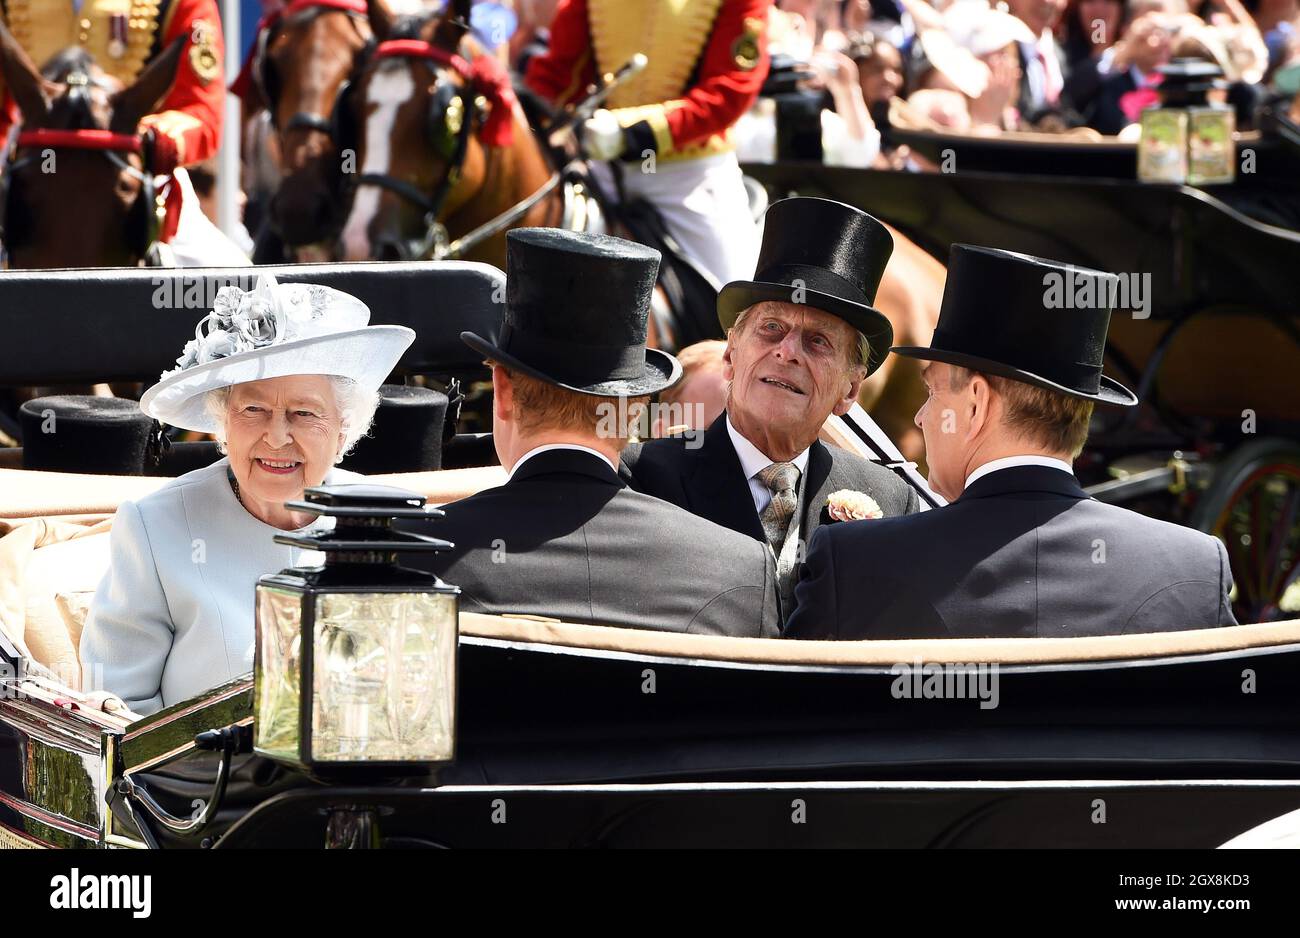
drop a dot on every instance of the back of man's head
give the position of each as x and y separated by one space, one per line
534 413
1047 421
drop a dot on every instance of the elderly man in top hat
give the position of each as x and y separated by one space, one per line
1021 550
565 537
801 337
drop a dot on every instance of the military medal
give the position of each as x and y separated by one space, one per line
203 54
745 51
117 35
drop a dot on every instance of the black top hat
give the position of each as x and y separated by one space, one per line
83 433
1034 320
576 311
825 254
406 435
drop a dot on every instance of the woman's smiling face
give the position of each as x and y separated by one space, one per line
282 436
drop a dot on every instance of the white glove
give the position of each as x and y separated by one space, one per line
602 136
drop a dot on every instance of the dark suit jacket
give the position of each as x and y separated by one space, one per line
566 538
1105 114
1024 552
707 480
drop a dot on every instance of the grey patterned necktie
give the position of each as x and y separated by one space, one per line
782 480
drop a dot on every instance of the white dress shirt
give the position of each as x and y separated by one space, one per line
753 461
546 447
1012 462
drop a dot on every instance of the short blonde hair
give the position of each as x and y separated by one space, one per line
1049 418
543 406
703 356
860 350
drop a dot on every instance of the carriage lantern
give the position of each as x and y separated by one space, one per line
1187 138
356 660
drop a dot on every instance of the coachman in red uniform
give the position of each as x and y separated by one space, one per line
671 123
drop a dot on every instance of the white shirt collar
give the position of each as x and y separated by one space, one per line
1011 462
752 459
550 446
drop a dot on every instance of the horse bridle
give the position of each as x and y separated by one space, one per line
458 119
461 120
153 190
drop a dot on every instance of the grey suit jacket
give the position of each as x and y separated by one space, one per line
705 478
1024 552
566 538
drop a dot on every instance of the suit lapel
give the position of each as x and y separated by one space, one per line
716 487
817 485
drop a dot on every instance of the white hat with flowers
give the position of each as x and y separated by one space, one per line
272 331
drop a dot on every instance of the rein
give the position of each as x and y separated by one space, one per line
153 188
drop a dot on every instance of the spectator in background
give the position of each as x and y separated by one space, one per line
1128 69
880 74
977 54
700 397
843 133
1088 29
534 32
203 177
1278 21
943 107
1042 61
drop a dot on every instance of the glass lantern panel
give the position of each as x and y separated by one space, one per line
277 689
384 677
1162 151
1212 152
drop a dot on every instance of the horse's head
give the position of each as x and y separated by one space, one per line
80 184
302 63
413 104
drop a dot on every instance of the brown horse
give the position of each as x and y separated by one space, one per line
80 175
302 61
442 146
411 114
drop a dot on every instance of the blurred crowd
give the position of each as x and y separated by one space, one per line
856 69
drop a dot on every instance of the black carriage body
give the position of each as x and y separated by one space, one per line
579 746
563 746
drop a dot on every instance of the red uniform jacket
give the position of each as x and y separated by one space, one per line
189 119
721 52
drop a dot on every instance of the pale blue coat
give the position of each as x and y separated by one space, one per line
173 616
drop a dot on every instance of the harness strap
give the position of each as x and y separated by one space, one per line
86 139
486 75
499 223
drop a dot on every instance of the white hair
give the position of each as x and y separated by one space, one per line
356 405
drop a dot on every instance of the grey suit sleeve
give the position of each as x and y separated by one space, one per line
1225 586
129 630
816 610
913 502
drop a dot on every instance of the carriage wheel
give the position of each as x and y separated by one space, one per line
1253 506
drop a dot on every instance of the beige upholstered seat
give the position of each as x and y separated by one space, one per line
54 550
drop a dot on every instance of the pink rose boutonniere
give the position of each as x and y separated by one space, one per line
848 505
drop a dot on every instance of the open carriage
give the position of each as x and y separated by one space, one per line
585 735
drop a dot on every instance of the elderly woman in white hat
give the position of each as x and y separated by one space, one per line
287 378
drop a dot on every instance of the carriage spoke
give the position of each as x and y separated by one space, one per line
1282 532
